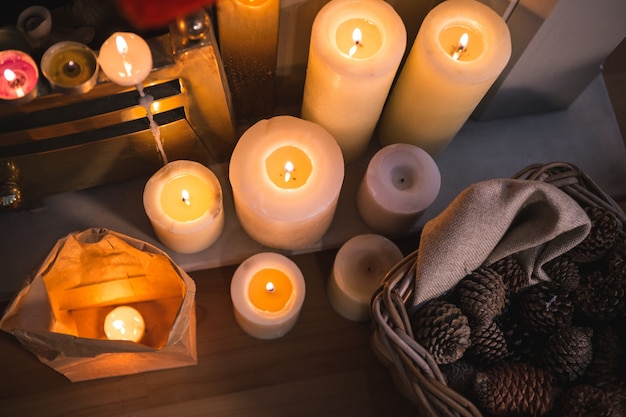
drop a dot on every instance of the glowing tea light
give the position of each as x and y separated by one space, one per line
267 291
286 174
70 67
400 183
356 48
18 76
359 268
184 203
460 50
124 323
125 58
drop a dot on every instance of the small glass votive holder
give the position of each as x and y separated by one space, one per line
70 67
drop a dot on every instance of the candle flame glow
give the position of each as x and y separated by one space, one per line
9 75
122 46
357 37
461 47
289 168
185 197
269 287
15 82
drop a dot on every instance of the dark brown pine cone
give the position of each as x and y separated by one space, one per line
515 389
568 352
564 272
601 296
523 344
459 375
616 394
442 329
585 401
608 351
481 296
544 307
488 345
601 237
616 258
512 273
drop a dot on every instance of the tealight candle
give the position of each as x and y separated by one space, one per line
355 50
184 203
359 269
286 174
125 58
267 291
70 67
460 49
124 323
401 181
18 76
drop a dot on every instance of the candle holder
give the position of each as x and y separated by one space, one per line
64 309
70 67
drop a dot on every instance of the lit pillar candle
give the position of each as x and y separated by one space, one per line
286 174
124 323
70 67
267 291
460 49
359 269
125 58
355 50
401 181
18 76
184 203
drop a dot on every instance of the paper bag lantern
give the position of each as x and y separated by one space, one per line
60 311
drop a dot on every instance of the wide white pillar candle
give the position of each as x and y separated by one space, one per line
267 291
355 50
184 203
286 174
125 58
460 49
401 181
359 269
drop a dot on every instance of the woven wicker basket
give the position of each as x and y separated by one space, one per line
413 369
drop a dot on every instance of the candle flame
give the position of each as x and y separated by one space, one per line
122 46
14 82
9 75
269 287
185 197
461 47
357 37
289 168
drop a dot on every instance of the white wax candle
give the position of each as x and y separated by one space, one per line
267 291
443 81
184 203
401 181
359 269
124 323
355 50
125 58
286 174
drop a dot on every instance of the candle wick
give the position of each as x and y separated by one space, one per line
269 287
185 197
461 47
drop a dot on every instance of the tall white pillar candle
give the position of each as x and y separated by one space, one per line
286 174
355 50
460 49
267 291
359 269
184 203
401 181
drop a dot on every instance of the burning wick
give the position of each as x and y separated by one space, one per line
122 48
269 287
461 47
185 197
289 168
71 68
357 37
15 82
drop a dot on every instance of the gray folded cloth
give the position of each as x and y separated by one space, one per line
491 220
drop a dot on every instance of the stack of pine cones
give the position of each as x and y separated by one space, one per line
555 348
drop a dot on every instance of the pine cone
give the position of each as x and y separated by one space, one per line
481 296
601 237
524 345
601 297
564 272
459 375
515 389
544 307
488 345
513 275
443 330
587 401
568 352
608 352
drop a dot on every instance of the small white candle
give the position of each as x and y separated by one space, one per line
401 181
125 58
124 323
286 174
443 80
355 50
184 203
267 291
359 269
